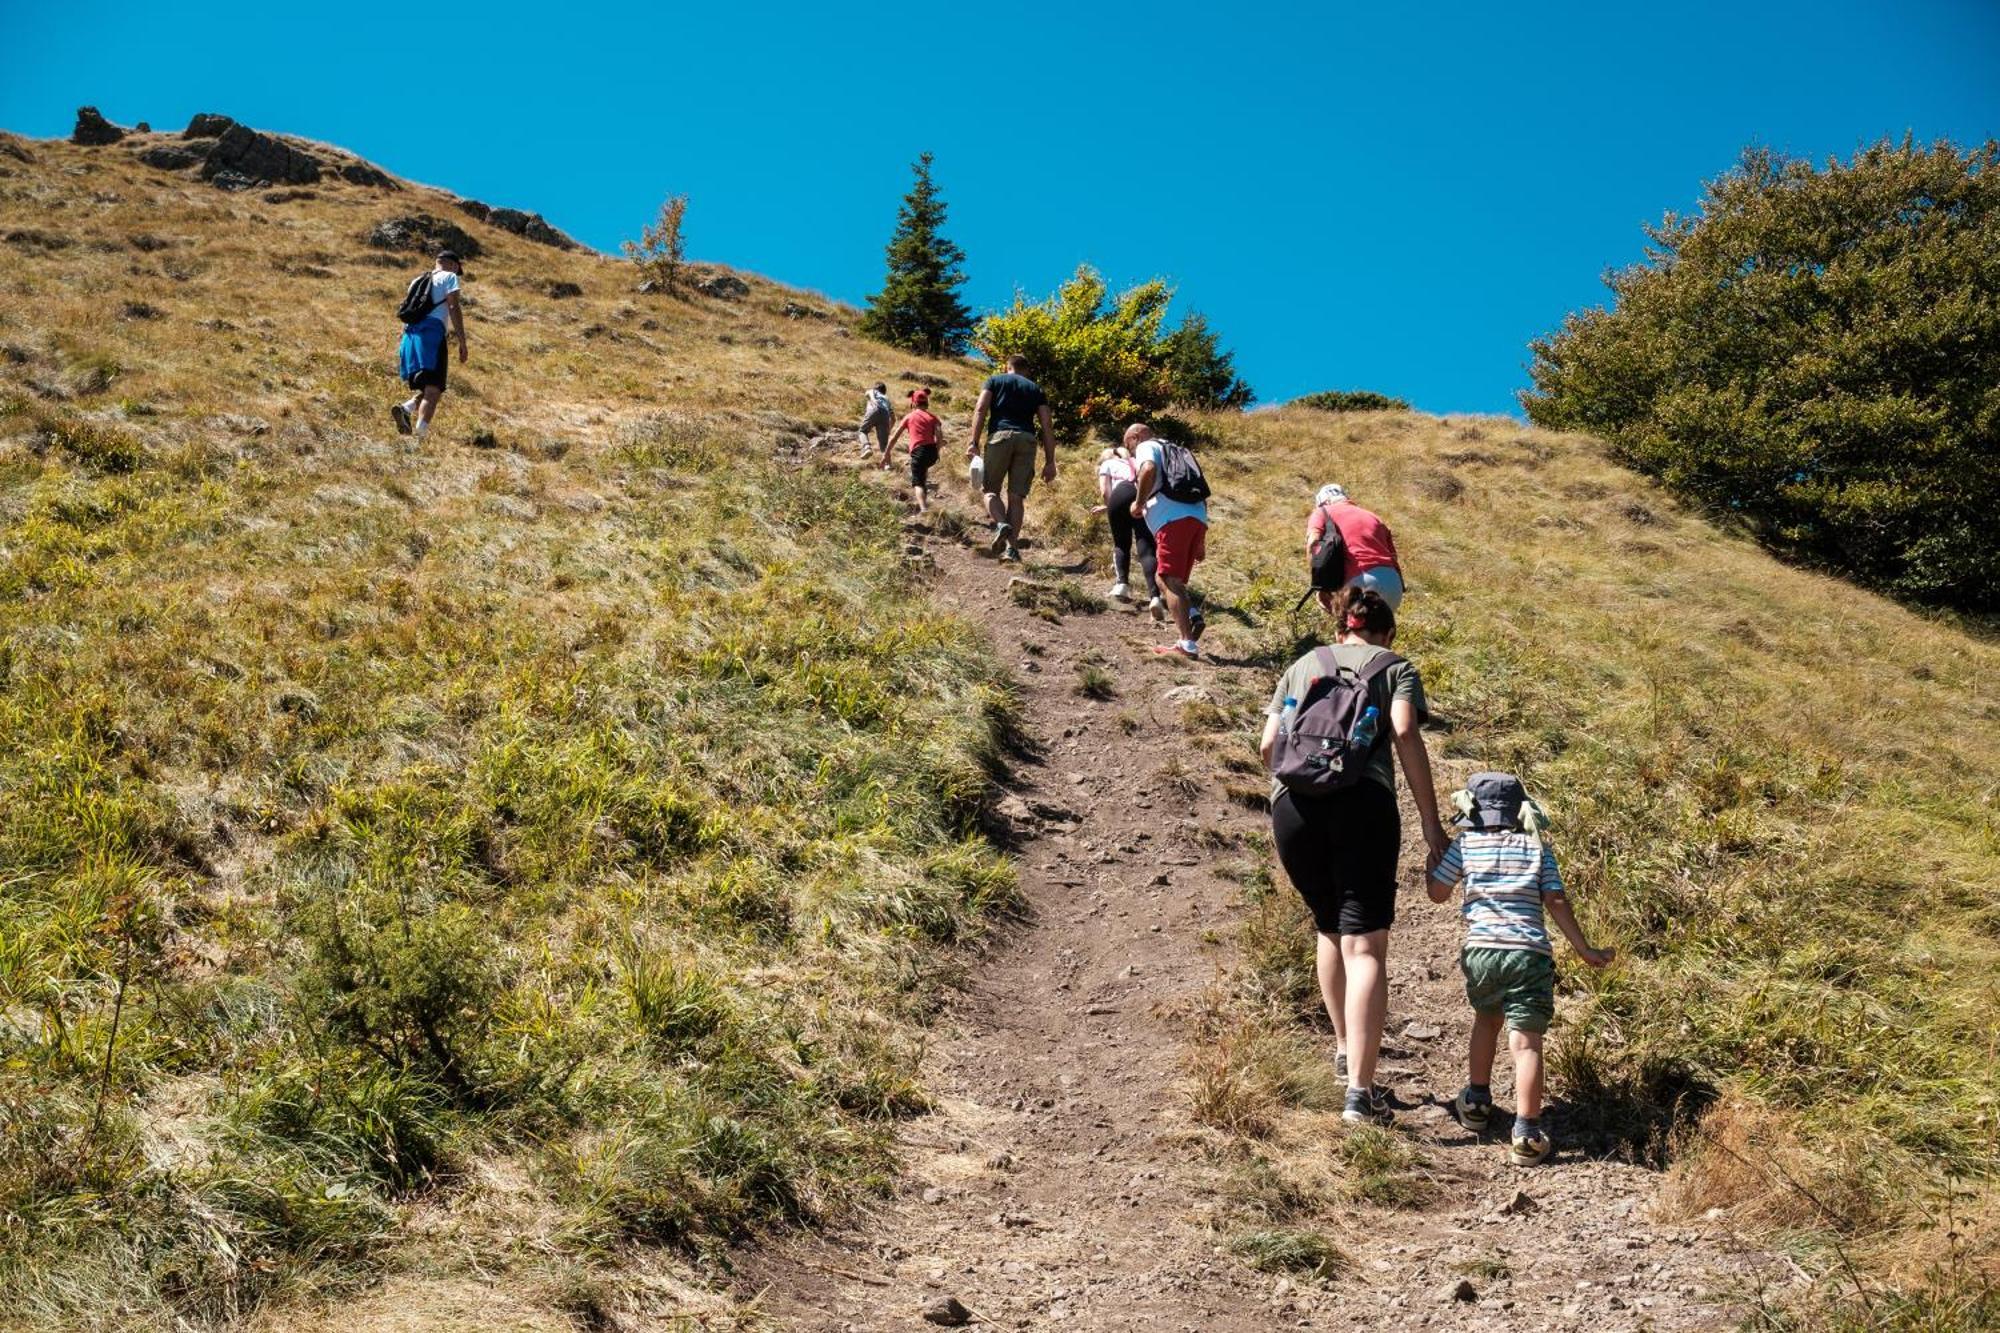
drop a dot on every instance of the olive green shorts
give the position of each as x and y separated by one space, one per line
1519 983
1010 457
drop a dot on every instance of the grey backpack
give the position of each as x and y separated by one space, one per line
1326 745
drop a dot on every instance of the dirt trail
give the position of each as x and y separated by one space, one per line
1055 1185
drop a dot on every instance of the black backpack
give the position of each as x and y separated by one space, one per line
1319 754
1180 474
1329 560
416 305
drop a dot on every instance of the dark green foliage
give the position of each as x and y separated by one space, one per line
918 307
1351 400
1105 361
1817 351
1201 373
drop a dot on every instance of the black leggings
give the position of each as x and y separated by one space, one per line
1125 532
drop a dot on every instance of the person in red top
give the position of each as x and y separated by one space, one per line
925 436
1371 551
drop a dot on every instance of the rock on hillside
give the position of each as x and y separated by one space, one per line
231 156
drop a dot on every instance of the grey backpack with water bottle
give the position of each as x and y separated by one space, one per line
1324 743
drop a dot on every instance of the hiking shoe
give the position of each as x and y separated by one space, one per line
1340 1065
401 416
1474 1112
1012 555
1180 650
1003 538
1158 607
1367 1106
1119 592
1197 626
1530 1150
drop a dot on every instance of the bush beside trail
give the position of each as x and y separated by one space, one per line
1817 352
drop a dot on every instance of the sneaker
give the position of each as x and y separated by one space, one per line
1011 555
1003 538
1119 592
401 416
1474 1112
1340 1065
1530 1150
1367 1106
1158 606
1179 650
1196 625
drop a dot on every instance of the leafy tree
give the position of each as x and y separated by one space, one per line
918 307
1104 361
661 249
1351 400
1819 352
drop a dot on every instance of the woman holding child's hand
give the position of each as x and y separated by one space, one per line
1339 848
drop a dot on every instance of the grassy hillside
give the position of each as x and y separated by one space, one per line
447 860
1776 794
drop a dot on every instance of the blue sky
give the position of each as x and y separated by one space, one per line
1384 196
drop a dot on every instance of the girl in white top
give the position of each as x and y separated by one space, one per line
1118 487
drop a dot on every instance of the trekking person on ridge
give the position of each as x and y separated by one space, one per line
1340 717
924 430
1118 487
1019 412
1370 552
1179 524
876 414
421 357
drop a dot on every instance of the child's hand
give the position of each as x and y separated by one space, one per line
1597 957
1097 509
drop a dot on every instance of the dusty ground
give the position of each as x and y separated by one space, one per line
1057 1185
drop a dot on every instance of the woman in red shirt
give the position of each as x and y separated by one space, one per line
1371 551
925 436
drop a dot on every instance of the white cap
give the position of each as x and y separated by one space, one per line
1330 494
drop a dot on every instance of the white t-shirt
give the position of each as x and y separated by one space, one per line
443 284
1161 511
1118 469
878 405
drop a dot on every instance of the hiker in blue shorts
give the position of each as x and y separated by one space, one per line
422 359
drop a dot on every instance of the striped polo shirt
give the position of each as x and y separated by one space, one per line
1506 877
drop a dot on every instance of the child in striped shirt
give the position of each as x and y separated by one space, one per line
1510 879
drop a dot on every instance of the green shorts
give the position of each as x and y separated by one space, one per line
1518 983
1010 457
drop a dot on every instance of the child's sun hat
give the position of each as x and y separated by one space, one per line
1497 802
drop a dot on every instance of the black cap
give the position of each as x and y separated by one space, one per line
448 257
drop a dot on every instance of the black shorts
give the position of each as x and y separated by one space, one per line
921 459
1340 853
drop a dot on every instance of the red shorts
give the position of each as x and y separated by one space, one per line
1181 543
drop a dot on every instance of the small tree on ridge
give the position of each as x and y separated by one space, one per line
918 307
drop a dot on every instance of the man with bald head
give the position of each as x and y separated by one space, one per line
1180 531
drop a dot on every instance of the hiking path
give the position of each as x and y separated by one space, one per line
1061 1181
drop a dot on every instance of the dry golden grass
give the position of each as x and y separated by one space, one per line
589 811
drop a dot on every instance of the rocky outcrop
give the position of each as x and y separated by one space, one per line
533 226
722 286
93 130
172 156
10 146
263 158
423 234
207 125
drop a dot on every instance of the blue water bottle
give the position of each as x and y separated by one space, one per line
1288 717
1364 730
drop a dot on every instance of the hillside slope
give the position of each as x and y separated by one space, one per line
529 862
439 861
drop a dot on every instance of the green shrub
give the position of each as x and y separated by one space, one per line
1351 400
1816 351
1105 362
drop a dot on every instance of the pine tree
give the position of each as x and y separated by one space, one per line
918 307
